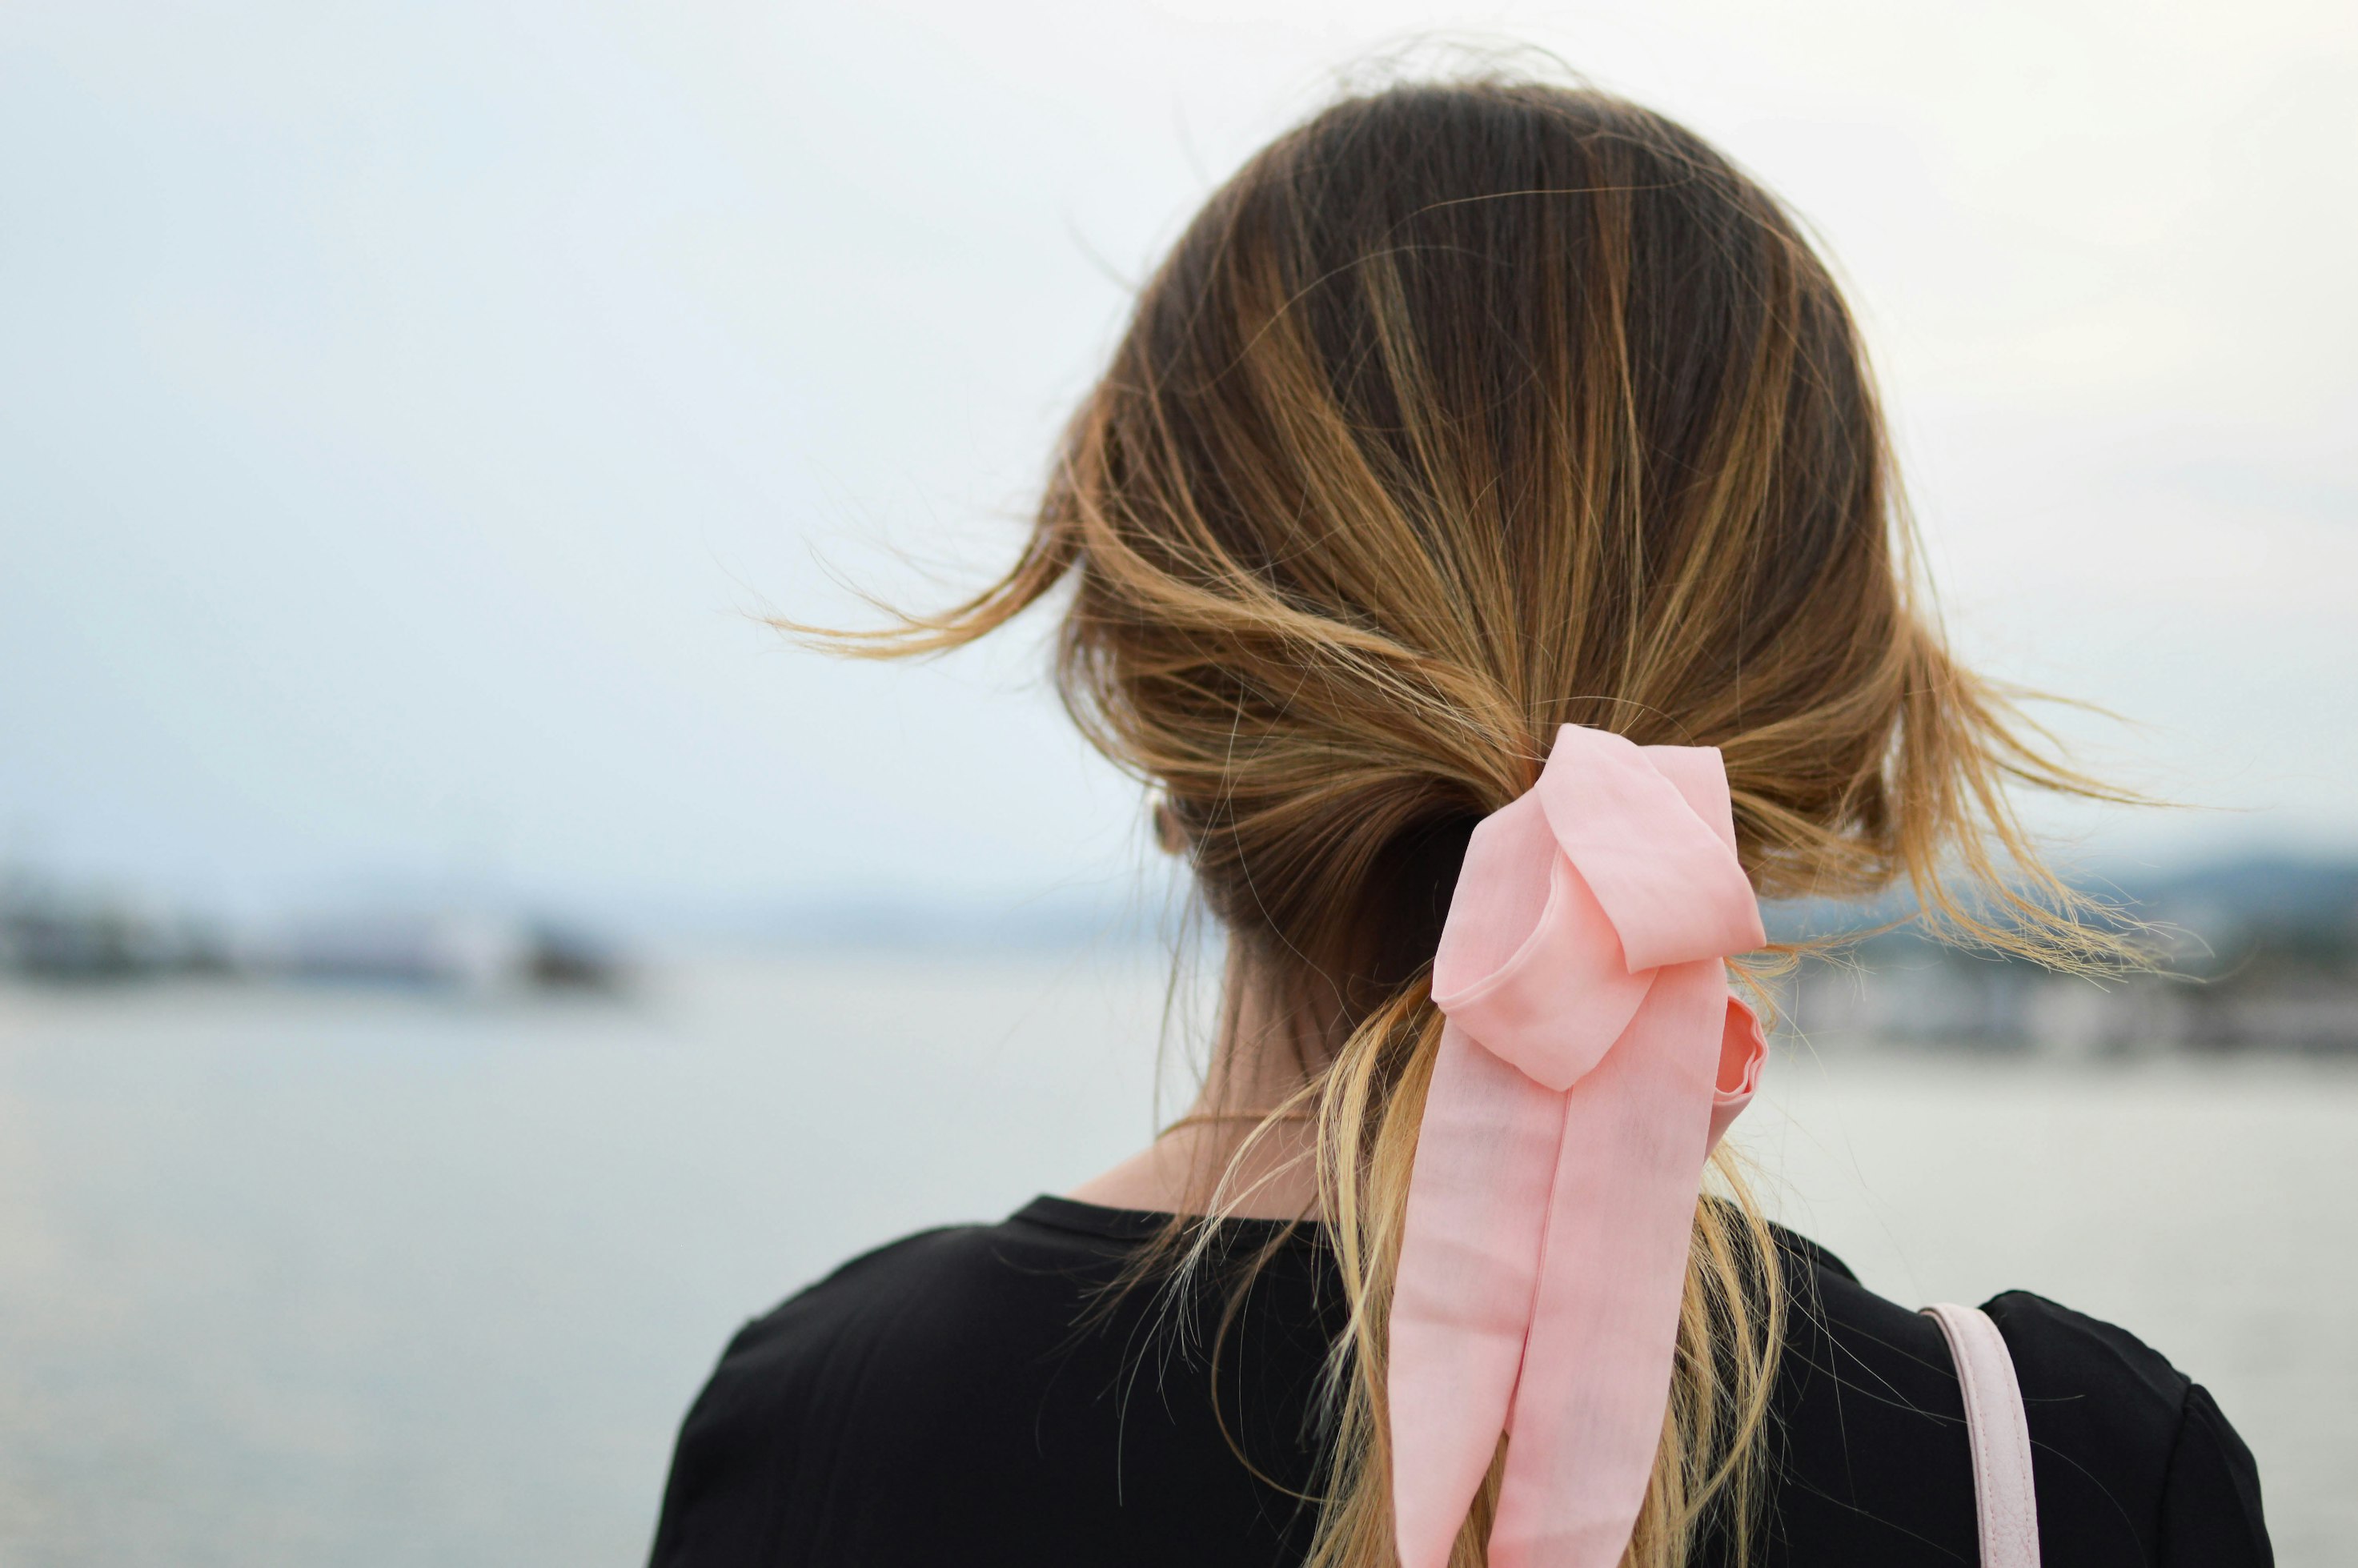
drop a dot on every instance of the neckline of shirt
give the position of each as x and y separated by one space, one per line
1144 1225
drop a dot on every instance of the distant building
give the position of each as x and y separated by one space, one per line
2262 955
50 934
469 950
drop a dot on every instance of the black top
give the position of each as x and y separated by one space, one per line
975 1395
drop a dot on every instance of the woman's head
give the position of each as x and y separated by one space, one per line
1465 411
1462 412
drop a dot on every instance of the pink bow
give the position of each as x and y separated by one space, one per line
1591 1057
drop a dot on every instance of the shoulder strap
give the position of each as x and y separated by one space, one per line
2004 1495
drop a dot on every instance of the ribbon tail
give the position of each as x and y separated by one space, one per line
1477 1200
1588 1408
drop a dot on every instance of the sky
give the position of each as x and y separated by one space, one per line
412 409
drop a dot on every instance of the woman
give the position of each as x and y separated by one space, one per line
1484 527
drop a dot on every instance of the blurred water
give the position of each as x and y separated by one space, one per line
393 1279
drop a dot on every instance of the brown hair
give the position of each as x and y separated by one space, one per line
1464 411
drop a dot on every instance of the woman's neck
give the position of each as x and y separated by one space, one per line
1222 1155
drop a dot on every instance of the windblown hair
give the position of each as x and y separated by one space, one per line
1464 411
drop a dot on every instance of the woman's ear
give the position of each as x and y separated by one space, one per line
1168 834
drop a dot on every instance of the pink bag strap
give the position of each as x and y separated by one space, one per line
2005 1498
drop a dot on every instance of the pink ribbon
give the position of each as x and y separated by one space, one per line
1591 1057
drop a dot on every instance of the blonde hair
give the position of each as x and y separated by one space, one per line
1463 411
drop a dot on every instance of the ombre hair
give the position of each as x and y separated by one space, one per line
1463 411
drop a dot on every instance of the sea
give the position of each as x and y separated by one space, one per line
384 1277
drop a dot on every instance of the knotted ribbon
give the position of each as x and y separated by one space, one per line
1591 1055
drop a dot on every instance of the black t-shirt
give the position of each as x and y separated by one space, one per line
979 1395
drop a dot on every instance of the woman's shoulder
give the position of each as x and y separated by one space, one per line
997 1370
883 1323
2093 1389
2134 1463
929 1275
940 1294
752 1471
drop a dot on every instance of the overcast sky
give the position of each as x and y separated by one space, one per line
408 405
